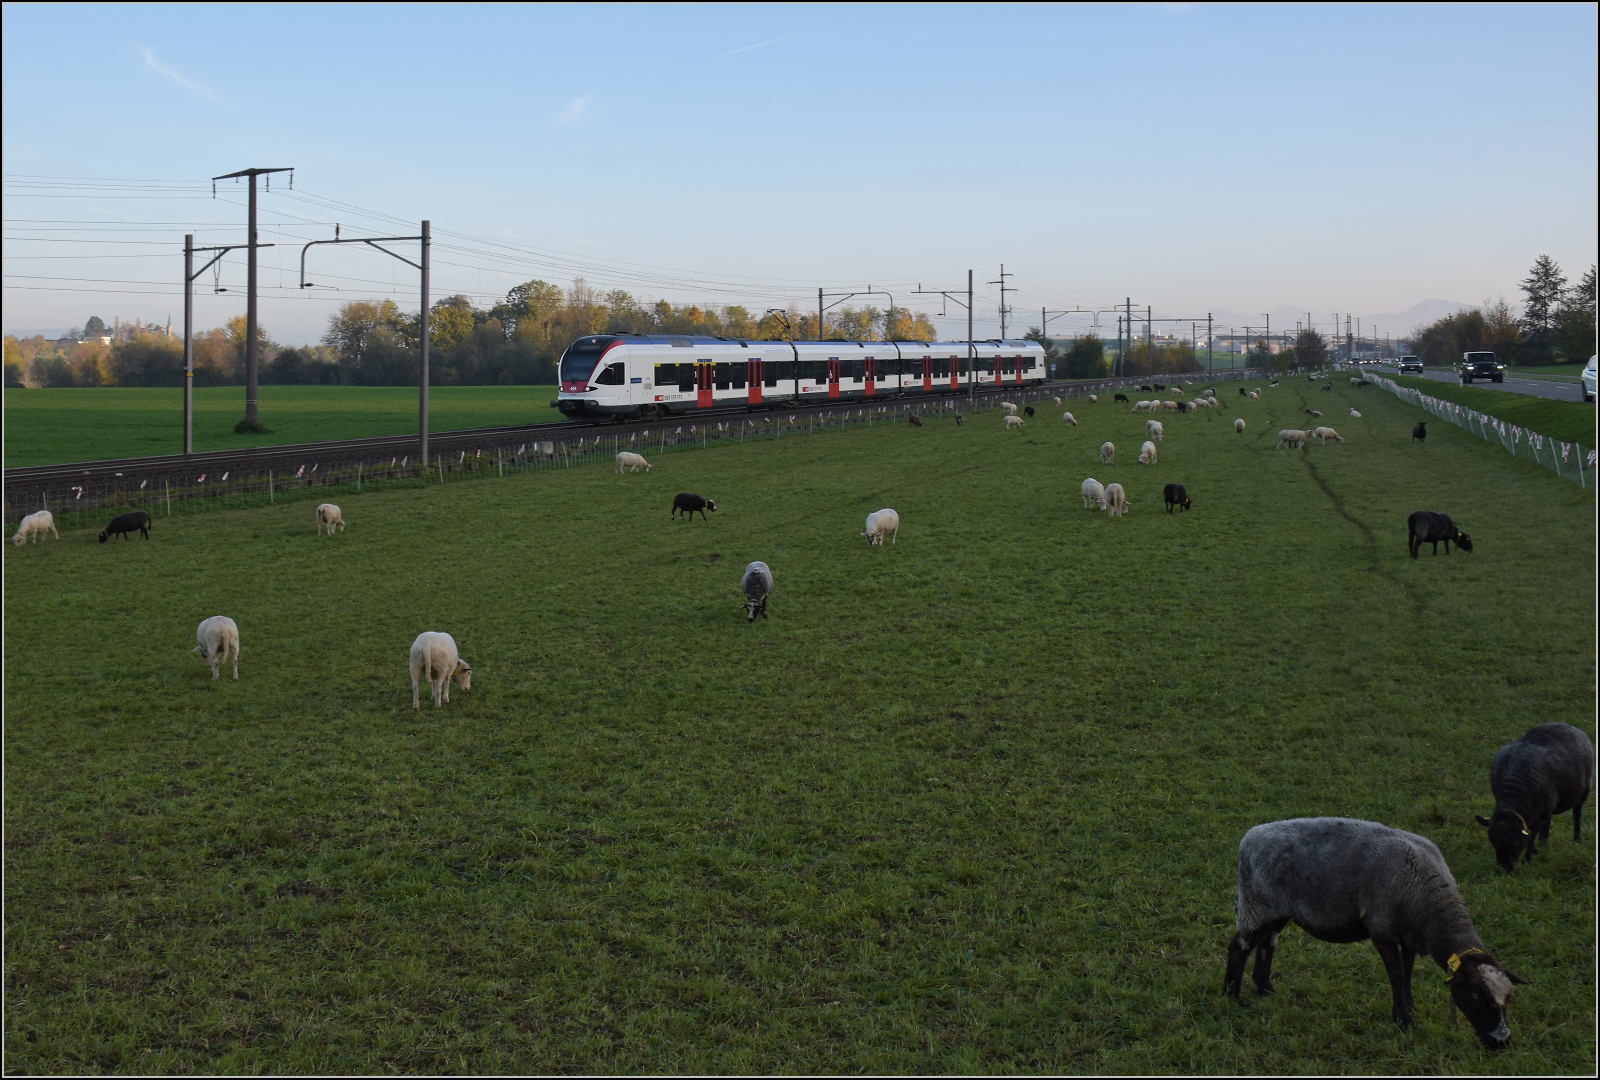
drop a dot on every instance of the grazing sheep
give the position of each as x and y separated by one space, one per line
1147 453
1174 495
1008 408
1094 399
1116 398
34 526
1014 421
1355 382
757 586
1326 433
1116 501
1420 432
1428 527
1313 413
916 421
1292 437
1548 771
1107 452
1140 406
1170 406
687 503
434 658
1146 388
1158 387
960 419
1056 400
1027 410
1068 419
1272 384
1254 395
328 516
881 523
218 636
1327 386
1242 391
1342 880
1094 495
1154 429
125 524
1238 425
631 462
1355 414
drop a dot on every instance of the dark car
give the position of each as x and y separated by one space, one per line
1410 363
1481 365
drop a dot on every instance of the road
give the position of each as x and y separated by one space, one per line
1545 388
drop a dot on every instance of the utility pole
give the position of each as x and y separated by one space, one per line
971 367
1004 288
189 274
820 335
422 265
1208 342
252 324
1128 304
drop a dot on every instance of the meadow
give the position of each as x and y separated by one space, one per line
968 802
1572 421
54 426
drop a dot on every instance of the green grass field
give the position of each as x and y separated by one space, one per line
969 802
1572 421
49 427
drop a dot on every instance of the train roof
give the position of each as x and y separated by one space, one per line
690 341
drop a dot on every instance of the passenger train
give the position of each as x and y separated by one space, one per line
632 376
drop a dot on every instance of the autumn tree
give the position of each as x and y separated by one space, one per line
1310 350
1545 288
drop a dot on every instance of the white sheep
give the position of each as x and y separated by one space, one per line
1014 421
218 636
881 523
1355 382
1292 437
1147 453
1326 433
1116 501
1094 495
1068 419
1154 429
631 462
1141 406
34 526
1238 425
1010 409
1355 414
1107 452
1170 406
1056 400
434 658
1094 399
328 515
1254 394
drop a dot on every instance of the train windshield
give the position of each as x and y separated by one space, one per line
578 362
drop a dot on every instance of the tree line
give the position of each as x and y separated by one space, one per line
374 343
1557 324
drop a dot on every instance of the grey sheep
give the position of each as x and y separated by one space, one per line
757 586
1548 771
1343 880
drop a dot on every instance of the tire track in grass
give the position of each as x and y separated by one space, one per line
1369 539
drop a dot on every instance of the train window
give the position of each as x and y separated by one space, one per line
686 378
736 373
814 370
852 367
613 375
666 374
721 376
941 368
769 372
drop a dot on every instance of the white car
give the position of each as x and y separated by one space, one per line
1588 380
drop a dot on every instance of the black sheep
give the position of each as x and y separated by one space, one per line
1428 527
1548 771
1420 432
688 504
1119 397
1027 410
1158 386
1242 392
1327 386
1175 496
134 521
916 421
960 419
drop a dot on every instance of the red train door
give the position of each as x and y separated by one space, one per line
833 376
955 373
702 383
754 382
1018 362
872 376
927 374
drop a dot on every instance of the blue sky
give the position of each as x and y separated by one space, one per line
1197 158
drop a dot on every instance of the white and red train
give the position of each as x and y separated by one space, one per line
618 377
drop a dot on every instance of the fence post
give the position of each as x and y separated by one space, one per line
168 485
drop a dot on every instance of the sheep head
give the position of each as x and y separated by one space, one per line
1481 989
462 675
1509 835
1463 541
